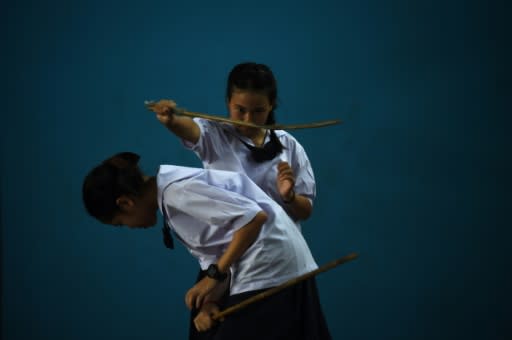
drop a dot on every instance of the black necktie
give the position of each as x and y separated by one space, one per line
269 151
168 241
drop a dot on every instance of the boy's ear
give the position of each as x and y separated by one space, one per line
125 203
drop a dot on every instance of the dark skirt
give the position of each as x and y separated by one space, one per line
294 313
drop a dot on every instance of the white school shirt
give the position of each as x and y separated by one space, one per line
206 207
219 147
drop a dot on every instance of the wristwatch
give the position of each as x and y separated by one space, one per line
214 272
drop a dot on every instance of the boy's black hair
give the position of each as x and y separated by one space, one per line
116 176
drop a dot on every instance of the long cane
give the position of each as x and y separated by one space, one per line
291 282
182 112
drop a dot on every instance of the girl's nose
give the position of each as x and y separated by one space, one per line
248 117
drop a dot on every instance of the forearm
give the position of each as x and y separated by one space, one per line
299 208
218 292
185 128
242 239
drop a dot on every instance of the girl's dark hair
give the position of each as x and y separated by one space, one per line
257 77
116 176
254 77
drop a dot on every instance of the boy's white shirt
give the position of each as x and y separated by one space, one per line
206 207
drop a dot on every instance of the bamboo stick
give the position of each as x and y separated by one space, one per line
183 112
272 291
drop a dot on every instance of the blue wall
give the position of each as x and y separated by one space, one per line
416 179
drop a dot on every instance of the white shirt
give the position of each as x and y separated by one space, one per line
206 207
219 147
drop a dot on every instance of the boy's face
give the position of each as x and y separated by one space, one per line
135 213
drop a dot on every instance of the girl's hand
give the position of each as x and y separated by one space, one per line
164 110
195 295
203 321
285 181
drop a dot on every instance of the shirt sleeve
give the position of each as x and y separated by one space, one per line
209 145
211 205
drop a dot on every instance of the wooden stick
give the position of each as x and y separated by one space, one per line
272 291
183 112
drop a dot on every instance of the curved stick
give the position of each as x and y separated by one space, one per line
272 291
183 112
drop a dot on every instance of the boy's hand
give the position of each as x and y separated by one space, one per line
203 321
195 295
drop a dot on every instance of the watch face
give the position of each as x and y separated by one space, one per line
212 271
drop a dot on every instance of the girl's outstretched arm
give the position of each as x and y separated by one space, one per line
183 127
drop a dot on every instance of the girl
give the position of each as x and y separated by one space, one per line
240 236
274 160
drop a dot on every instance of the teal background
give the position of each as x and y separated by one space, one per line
416 180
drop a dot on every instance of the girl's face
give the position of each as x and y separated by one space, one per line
251 107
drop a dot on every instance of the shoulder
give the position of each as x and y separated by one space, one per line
286 136
171 174
289 141
211 124
212 130
203 180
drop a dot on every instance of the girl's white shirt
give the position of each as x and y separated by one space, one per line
206 207
219 147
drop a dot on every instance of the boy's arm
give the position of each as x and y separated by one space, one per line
218 291
211 305
242 239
